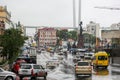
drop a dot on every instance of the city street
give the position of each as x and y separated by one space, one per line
59 40
63 73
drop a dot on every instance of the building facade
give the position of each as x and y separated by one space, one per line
4 14
111 37
2 27
47 37
115 26
94 29
5 21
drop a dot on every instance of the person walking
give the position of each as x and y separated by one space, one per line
16 67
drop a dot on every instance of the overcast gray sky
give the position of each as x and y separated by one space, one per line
60 12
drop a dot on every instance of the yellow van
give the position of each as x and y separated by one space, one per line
100 59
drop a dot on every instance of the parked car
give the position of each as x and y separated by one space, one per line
83 68
33 71
7 75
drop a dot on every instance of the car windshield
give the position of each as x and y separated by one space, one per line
25 66
36 66
89 54
83 63
102 58
87 58
1 70
77 56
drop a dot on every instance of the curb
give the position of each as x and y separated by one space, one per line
115 65
117 71
115 68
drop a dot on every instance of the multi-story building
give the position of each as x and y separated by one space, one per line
94 29
2 27
5 16
111 37
5 21
115 26
47 37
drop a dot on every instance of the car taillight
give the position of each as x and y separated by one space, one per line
96 61
90 67
76 67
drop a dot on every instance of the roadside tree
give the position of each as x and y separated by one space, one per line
11 41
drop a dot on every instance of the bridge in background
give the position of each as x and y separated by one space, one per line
39 27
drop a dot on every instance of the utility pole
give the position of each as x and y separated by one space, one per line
109 8
79 14
74 14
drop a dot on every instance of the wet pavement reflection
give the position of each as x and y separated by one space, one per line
101 71
84 78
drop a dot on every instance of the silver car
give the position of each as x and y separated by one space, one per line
7 75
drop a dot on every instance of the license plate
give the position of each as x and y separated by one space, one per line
24 71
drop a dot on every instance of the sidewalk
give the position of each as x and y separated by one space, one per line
115 70
115 62
115 65
5 65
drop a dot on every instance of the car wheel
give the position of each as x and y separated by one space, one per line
21 78
33 78
90 75
44 77
95 67
105 67
76 76
9 78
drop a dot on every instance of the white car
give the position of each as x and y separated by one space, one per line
88 59
52 63
32 70
7 75
90 54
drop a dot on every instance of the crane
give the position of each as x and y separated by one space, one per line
110 8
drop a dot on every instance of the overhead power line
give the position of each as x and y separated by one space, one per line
110 8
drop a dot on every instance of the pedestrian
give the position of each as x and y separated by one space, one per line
16 67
